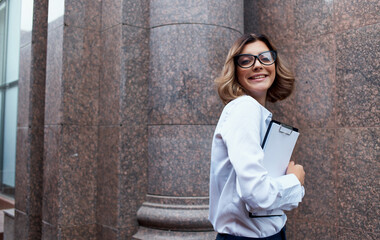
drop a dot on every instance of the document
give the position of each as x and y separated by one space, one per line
278 145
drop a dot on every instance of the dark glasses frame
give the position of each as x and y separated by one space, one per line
273 53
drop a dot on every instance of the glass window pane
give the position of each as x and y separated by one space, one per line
27 15
13 43
3 14
10 125
1 121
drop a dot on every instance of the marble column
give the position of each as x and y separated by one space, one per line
30 123
188 44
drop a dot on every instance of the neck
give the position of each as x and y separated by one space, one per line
261 99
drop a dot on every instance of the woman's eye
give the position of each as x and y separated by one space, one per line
245 61
266 58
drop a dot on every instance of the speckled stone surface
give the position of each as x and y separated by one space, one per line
111 13
304 230
136 13
315 85
135 74
155 234
274 18
51 200
128 12
175 213
335 107
133 170
109 87
115 67
179 159
121 174
214 12
83 14
71 132
21 223
78 151
349 233
181 88
358 77
317 157
358 178
49 232
80 75
175 217
123 111
124 88
53 98
28 190
27 226
23 149
69 176
69 181
283 111
83 232
74 62
188 44
24 87
353 14
107 175
104 232
313 18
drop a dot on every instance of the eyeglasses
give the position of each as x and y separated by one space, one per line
248 60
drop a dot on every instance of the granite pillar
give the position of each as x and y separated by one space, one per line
71 120
30 123
188 44
123 117
333 49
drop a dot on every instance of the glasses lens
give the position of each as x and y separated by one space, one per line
267 58
245 61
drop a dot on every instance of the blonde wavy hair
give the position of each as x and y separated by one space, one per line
228 85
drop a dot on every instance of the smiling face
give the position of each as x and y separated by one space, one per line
257 79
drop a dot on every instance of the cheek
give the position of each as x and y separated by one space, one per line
240 75
273 72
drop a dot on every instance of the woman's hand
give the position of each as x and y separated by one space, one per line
297 170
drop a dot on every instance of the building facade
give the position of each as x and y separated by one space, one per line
117 108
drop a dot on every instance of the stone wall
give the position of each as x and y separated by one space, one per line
117 110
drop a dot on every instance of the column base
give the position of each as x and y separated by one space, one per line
155 234
163 217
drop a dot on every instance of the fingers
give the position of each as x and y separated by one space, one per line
297 170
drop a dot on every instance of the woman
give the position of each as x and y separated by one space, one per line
246 203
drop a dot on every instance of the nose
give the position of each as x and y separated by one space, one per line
257 65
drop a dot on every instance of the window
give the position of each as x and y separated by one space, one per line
9 76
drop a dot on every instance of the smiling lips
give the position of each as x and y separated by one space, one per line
255 77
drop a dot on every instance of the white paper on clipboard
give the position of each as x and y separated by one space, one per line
278 145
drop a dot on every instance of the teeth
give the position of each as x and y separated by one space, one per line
257 77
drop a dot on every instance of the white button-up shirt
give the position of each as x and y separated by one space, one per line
239 183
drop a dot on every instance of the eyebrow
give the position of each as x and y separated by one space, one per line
254 54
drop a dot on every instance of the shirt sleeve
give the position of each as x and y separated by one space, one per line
260 192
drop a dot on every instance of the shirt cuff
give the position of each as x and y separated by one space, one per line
292 188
